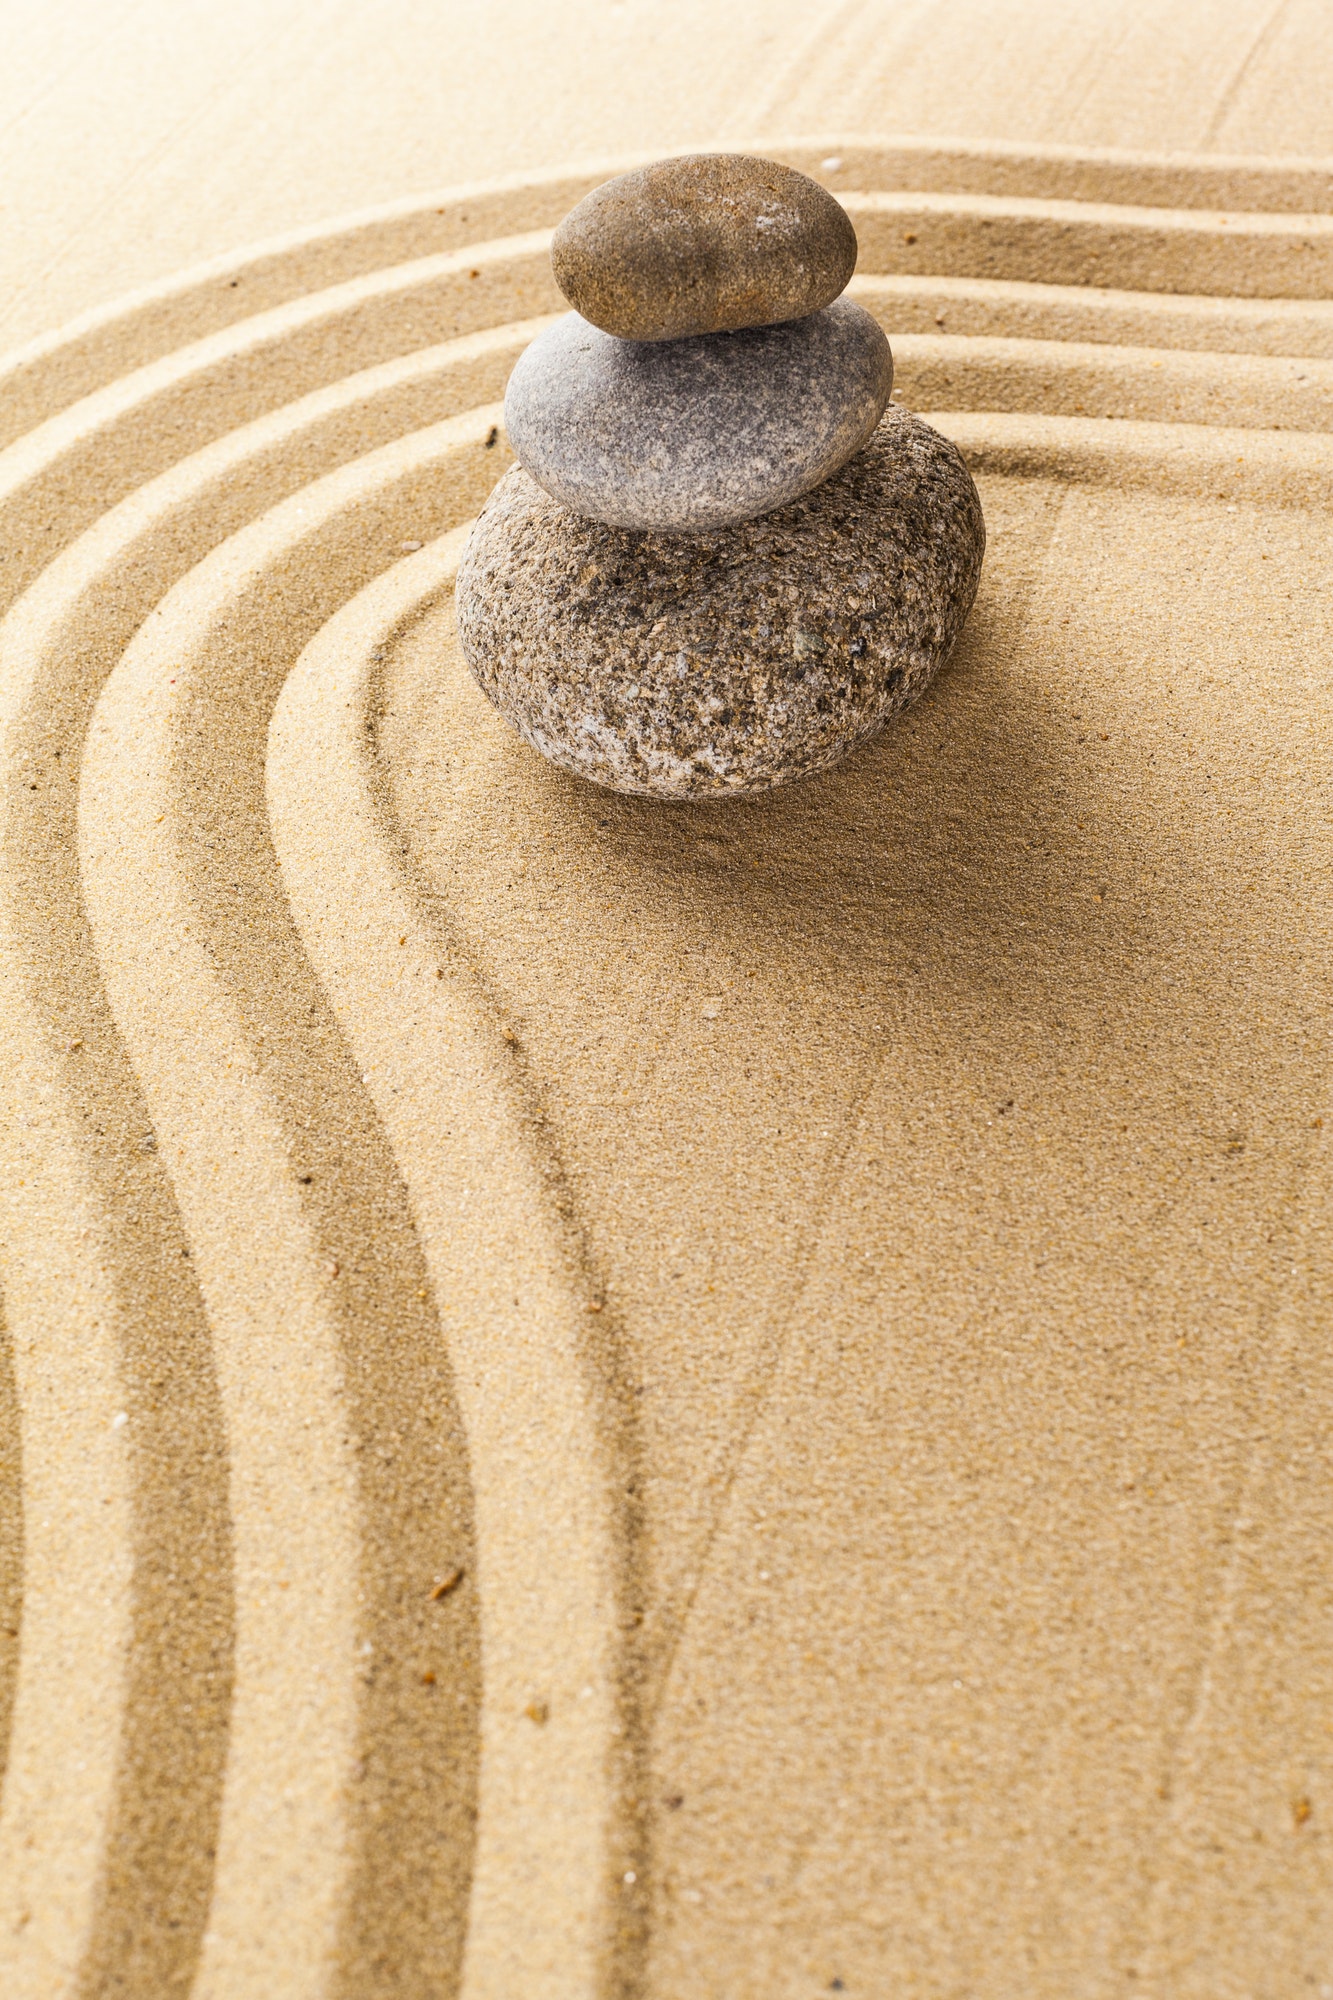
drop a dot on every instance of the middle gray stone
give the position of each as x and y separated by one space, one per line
686 435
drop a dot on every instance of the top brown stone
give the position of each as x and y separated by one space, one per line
707 243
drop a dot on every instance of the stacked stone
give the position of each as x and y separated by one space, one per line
718 563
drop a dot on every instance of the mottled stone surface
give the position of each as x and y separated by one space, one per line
684 435
712 666
703 244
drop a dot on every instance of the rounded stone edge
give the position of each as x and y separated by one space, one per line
523 419
614 301
608 765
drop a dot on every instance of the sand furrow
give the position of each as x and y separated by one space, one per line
1238 255
1110 174
78 1563
1005 309
126 1566
226 1499
1286 469
307 1263
1143 385
58 479
57 647
87 453
119 1715
552 1888
48 375
1083 313
102 347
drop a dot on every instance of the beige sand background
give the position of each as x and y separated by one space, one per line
138 137
606 1400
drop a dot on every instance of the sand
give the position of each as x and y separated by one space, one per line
611 1399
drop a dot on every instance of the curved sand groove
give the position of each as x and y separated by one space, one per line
114 1756
551 1890
56 649
123 1676
1058 378
113 341
993 306
54 479
76 1629
106 1849
57 480
1267 468
206 1021
1107 174
46 376
1238 255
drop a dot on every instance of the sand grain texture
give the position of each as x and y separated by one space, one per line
607 1399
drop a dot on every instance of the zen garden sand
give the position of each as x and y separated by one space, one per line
613 1397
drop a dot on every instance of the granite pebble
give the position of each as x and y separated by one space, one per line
721 665
683 436
705 243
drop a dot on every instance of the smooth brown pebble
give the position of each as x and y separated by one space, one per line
707 243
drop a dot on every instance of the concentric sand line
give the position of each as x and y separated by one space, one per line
1109 174
1236 255
1062 378
57 480
196 1036
113 341
548 1890
74 463
56 649
1286 469
1010 309
204 1010
129 1529
126 1572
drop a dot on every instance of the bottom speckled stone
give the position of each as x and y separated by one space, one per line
717 665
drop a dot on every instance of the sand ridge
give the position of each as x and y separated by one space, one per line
890 1531
134 145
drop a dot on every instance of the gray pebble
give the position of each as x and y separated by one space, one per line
687 435
703 244
714 666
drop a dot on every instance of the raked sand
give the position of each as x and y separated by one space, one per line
602 1399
